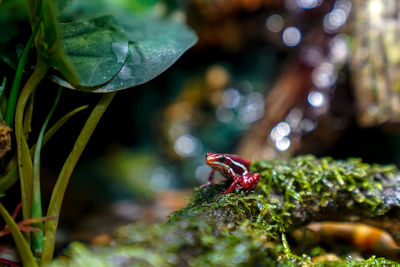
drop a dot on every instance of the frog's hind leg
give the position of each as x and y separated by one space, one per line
249 181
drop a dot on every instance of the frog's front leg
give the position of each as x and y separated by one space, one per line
235 182
210 179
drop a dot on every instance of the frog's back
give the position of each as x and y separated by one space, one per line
238 164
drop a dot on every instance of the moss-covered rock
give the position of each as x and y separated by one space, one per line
240 229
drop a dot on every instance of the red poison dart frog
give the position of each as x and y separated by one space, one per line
232 166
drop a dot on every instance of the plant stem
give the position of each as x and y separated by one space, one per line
28 115
37 238
12 99
24 158
22 246
57 196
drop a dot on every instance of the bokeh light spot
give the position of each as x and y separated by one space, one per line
274 23
186 145
291 36
283 128
282 144
308 4
202 173
231 98
316 99
324 75
224 114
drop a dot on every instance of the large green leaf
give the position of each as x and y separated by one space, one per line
96 48
155 44
90 8
47 40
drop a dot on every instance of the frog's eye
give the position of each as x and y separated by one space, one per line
221 159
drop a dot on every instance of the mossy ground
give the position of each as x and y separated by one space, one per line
240 229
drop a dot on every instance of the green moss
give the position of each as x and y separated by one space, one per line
194 242
240 229
295 191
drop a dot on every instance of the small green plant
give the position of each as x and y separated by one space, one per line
99 54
